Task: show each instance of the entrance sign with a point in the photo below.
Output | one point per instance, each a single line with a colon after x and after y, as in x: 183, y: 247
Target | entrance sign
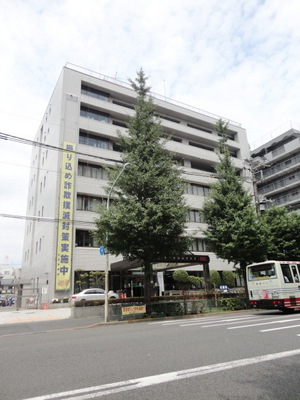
x: 186, y: 258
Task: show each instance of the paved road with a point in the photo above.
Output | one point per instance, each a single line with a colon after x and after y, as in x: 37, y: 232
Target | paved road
x: 248, y: 355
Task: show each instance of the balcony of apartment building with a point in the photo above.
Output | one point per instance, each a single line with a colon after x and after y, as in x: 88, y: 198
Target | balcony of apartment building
x: 277, y: 151
x: 289, y: 199
x: 283, y: 183
x: 274, y: 171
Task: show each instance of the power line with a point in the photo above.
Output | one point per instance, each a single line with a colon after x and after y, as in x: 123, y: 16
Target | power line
x: 43, y: 219
x: 4, y: 136
x: 18, y: 139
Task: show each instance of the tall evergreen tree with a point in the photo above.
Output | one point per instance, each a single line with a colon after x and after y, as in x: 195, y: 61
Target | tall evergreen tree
x: 283, y: 229
x: 233, y: 231
x: 148, y: 216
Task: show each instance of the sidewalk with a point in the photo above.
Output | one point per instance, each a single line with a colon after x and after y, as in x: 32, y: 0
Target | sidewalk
x: 12, y: 316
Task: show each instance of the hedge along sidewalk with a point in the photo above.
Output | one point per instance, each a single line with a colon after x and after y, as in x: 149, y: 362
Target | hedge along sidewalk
x: 158, y: 309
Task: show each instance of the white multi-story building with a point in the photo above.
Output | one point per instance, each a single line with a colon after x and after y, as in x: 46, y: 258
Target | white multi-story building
x: 84, y: 115
x: 276, y: 167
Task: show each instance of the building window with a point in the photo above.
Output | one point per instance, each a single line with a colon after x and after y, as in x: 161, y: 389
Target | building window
x: 230, y: 136
x: 85, y: 239
x: 166, y: 117
x: 201, y: 146
x: 199, y: 128
x: 122, y: 104
x: 92, y: 171
x: 195, y: 216
x: 197, y: 190
x: 175, y: 139
x: 89, y: 203
x: 93, y: 114
x: 202, y: 166
x: 119, y: 123
x: 200, y: 245
x: 98, y: 94
x: 93, y: 140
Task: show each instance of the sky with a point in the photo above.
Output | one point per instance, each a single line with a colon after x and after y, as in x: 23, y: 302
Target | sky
x: 238, y: 59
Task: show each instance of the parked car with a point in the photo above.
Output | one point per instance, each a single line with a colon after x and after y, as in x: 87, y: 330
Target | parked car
x: 3, y: 301
x: 93, y: 294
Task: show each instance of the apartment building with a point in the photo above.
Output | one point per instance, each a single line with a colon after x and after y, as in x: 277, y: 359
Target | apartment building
x: 76, y: 141
x: 276, y: 166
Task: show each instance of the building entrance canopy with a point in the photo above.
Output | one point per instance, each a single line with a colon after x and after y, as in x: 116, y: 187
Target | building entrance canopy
x: 162, y: 264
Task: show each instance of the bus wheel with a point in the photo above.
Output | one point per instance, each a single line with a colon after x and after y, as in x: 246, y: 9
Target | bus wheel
x: 286, y: 310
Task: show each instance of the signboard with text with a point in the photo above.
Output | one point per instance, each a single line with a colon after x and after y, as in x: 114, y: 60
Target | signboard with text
x: 134, y: 310
x: 185, y: 258
x: 65, y: 222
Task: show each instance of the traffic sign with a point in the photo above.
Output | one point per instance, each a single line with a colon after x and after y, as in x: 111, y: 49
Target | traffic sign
x: 102, y: 250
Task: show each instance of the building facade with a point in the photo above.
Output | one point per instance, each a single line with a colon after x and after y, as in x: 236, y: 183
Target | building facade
x: 9, y: 276
x: 76, y: 142
x: 276, y: 167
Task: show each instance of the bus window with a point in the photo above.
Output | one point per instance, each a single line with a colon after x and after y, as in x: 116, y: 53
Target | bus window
x: 295, y: 273
x: 286, y: 272
x: 261, y: 271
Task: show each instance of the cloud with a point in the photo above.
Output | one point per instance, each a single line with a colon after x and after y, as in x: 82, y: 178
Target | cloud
x: 235, y: 58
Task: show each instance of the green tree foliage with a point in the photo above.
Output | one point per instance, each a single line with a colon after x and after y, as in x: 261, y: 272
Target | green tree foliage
x: 182, y: 277
x: 196, y: 281
x: 233, y: 231
x: 148, y: 216
x: 228, y: 278
x: 284, y: 234
x: 185, y: 280
x: 215, y: 278
x: 87, y: 279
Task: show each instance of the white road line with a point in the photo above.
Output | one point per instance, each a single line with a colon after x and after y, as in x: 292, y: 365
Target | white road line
x: 117, y: 387
x: 282, y: 327
x: 253, y: 320
x: 282, y: 321
x: 222, y: 322
x: 213, y: 323
x: 172, y: 321
x: 196, y: 319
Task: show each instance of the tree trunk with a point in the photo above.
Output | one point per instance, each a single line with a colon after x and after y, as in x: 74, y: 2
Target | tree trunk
x: 148, y: 286
x: 243, y: 268
x: 206, y: 276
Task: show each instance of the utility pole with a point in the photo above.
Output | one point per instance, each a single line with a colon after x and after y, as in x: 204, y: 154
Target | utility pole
x: 107, y: 266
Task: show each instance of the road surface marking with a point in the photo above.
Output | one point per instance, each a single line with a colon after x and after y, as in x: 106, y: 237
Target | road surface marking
x: 117, y: 387
x: 282, y: 327
x: 220, y: 322
x: 282, y: 321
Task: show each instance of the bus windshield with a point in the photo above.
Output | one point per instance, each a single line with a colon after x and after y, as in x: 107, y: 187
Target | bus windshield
x: 262, y: 271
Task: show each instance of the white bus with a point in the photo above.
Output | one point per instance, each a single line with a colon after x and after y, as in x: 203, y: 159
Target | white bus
x: 274, y: 285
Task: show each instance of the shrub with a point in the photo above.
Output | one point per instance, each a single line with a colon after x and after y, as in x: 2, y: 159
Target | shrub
x: 166, y: 309
x: 232, y: 303
x: 198, y: 307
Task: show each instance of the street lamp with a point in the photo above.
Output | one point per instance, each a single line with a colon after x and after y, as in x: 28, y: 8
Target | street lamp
x: 107, y: 268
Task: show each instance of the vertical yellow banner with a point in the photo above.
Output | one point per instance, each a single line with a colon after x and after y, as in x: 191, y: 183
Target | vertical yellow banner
x: 65, y: 225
